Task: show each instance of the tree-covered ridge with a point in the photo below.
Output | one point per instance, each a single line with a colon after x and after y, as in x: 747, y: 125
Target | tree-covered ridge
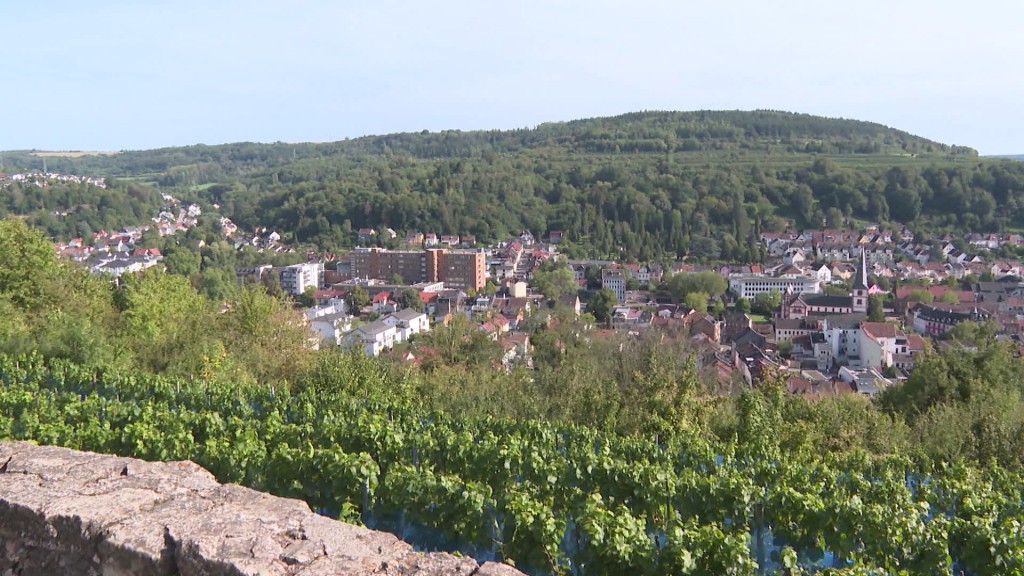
x: 654, y: 131
x: 647, y: 185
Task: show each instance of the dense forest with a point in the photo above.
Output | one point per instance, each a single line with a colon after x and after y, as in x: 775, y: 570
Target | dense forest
x: 608, y: 456
x: 648, y: 185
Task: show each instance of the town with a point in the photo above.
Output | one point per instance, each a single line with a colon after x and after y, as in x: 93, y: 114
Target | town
x: 831, y: 310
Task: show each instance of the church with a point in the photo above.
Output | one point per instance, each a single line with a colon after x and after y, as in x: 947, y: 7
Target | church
x: 804, y: 305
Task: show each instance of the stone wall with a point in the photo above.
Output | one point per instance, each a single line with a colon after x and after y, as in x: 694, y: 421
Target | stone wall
x: 72, y: 513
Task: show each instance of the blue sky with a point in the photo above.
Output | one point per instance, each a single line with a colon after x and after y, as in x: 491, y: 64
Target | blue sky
x: 118, y: 74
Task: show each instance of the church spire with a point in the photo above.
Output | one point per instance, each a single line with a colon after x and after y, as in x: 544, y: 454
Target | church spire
x: 861, y: 281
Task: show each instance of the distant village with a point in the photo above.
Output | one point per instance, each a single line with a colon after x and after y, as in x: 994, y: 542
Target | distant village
x: 818, y: 334
x: 43, y: 179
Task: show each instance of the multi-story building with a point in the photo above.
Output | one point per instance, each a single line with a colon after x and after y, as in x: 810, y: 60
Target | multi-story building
x: 750, y: 285
x: 297, y: 278
x: 615, y: 280
x: 465, y: 269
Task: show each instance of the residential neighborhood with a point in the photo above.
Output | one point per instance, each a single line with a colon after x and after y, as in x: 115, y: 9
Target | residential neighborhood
x: 815, y: 325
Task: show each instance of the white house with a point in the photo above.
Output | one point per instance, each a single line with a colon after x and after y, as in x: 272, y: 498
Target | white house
x: 374, y: 338
x: 407, y: 322
x: 823, y: 274
x: 878, y: 344
x: 331, y: 327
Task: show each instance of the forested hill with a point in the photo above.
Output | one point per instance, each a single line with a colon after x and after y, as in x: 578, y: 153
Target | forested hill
x: 761, y: 131
x: 644, y: 185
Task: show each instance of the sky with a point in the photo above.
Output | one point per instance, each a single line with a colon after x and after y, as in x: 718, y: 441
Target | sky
x: 129, y: 75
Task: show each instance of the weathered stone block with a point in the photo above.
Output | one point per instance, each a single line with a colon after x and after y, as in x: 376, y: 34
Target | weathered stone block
x: 84, y: 514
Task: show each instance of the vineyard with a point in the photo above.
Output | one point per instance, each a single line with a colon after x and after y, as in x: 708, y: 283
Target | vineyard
x: 552, y: 499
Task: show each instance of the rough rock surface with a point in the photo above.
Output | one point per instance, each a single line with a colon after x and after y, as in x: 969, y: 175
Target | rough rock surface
x: 79, y: 513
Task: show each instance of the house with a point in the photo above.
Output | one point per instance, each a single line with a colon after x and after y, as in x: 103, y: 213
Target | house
x: 331, y: 327
x: 749, y: 336
x: 407, y: 323
x: 624, y: 317
x: 866, y: 381
x: 430, y: 240
x: 382, y: 302
x: 326, y: 307
x: 365, y: 234
x: 414, y: 239
x: 328, y: 296
x: 555, y: 236
x: 516, y: 348
x: 707, y: 326
x: 448, y: 301
x: 878, y: 344
x: 373, y: 338
x: 572, y: 301
x: 650, y: 274
x: 843, y: 335
x: 789, y: 328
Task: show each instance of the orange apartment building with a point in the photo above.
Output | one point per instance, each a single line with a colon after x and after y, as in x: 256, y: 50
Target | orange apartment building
x: 464, y: 269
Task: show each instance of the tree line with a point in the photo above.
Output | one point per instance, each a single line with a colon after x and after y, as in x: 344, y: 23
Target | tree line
x: 648, y: 186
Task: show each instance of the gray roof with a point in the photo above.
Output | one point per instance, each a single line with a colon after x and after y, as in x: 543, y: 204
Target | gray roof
x: 846, y: 321
x: 374, y: 328
x: 827, y: 300
x: 331, y: 317
x: 860, y: 282
x: 407, y: 314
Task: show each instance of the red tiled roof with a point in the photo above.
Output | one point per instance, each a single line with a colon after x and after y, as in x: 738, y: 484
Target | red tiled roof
x: 879, y: 329
x: 915, y: 342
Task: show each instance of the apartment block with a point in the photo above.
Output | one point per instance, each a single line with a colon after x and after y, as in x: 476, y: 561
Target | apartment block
x: 465, y: 269
x: 297, y: 278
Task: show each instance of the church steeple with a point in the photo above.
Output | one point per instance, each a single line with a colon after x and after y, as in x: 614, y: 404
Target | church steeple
x: 861, y: 281
x: 859, y: 296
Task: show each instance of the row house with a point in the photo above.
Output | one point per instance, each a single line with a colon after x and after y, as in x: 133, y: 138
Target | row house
x: 985, y: 241
x: 936, y: 321
x: 830, y: 235
x: 790, y: 328
x: 836, y: 252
